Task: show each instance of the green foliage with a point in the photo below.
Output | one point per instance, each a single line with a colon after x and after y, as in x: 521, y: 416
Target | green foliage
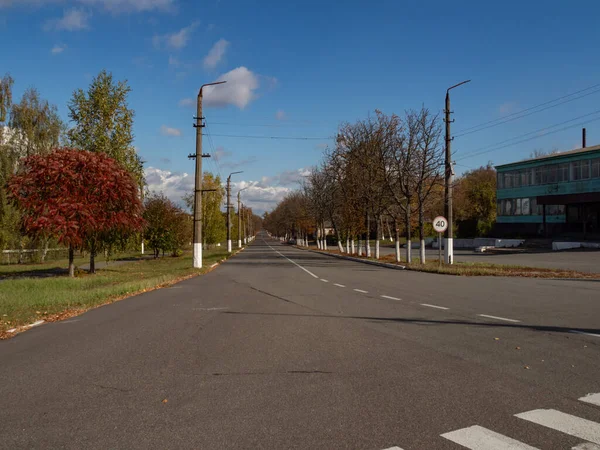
x: 214, y: 224
x: 103, y: 122
x: 10, y: 218
x: 6, y: 84
x: 168, y: 227
x: 475, y: 199
x: 36, y: 124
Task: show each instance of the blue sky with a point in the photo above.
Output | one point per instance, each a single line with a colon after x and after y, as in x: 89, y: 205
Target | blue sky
x: 298, y: 69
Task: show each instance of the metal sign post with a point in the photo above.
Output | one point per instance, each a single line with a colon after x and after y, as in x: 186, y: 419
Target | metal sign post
x: 440, y: 224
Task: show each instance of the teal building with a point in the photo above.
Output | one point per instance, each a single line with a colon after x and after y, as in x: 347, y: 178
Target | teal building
x: 552, y: 195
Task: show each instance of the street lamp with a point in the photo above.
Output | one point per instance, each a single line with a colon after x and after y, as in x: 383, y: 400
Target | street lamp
x: 229, y: 210
x: 240, y: 218
x: 449, y: 241
x: 198, y: 181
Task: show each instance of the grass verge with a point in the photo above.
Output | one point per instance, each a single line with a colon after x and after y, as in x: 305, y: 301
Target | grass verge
x: 26, y: 300
x: 481, y: 269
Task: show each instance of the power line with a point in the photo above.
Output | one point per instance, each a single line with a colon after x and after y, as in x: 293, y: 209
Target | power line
x: 533, y: 132
x: 519, y: 114
x: 214, y: 160
x: 496, y: 147
x: 298, y: 138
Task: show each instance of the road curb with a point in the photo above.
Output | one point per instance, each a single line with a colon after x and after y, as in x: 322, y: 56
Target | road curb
x: 360, y: 260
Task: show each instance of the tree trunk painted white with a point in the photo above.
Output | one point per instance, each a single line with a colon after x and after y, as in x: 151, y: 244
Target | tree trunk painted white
x: 397, y: 236
x: 359, y: 251
x: 142, y: 247
x: 377, y: 225
x: 367, y: 238
x: 353, y: 250
x: 408, y: 242
x: 318, y: 238
x: 45, y: 250
x: 340, y: 246
x: 422, y: 251
x: 348, y: 245
x: 325, y: 240
x: 229, y: 248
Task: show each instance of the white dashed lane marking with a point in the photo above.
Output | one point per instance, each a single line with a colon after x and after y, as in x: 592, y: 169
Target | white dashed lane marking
x: 361, y: 291
x: 324, y: 281
x: 583, y: 332
x: 390, y: 298
x: 338, y: 285
x: 499, y: 318
x: 433, y: 306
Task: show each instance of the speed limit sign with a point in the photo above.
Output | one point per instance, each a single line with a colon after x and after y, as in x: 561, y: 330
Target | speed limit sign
x: 440, y: 224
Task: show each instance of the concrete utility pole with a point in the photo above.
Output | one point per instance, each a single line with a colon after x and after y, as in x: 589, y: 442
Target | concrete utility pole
x: 198, y: 181
x: 449, y: 241
x: 229, y: 210
x: 240, y: 219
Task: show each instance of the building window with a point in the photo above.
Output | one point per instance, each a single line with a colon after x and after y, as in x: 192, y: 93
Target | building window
x: 525, y: 207
x: 596, y: 168
x: 500, y: 180
x: 508, y: 209
x: 562, y: 173
x: 581, y: 170
x: 518, y: 207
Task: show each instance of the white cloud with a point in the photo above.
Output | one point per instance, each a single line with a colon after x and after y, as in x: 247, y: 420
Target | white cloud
x: 115, y: 6
x: 215, y: 54
x: 280, y: 115
x: 174, y: 61
x: 173, y: 184
x: 185, y: 102
x: 168, y: 131
x: 58, y: 49
x: 73, y: 20
x: 132, y: 5
x: 260, y: 198
x: 238, y: 91
x: 175, y: 41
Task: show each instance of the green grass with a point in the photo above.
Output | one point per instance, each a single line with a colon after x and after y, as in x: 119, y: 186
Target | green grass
x: 482, y: 269
x: 25, y: 300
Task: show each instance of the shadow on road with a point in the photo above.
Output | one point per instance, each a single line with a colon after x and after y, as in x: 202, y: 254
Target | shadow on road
x: 432, y: 322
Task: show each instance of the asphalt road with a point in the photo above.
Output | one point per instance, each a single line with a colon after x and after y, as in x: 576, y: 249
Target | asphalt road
x: 281, y: 348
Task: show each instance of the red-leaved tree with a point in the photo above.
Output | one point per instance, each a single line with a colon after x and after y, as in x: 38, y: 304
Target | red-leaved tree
x: 79, y: 197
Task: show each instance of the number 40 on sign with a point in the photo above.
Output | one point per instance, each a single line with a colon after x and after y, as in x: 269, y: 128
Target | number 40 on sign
x: 440, y: 224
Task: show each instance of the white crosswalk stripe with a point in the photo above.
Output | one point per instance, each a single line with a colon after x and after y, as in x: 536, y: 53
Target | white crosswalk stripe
x: 566, y: 423
x: 594, y: 399
x: 479, y: 438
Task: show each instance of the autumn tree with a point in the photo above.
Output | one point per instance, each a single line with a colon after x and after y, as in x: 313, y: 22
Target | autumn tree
x: 77, y: 196
x: 475, y: 201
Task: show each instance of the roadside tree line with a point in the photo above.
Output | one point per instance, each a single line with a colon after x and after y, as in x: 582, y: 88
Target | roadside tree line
x: 384, y: 173
x: 81, y: 185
